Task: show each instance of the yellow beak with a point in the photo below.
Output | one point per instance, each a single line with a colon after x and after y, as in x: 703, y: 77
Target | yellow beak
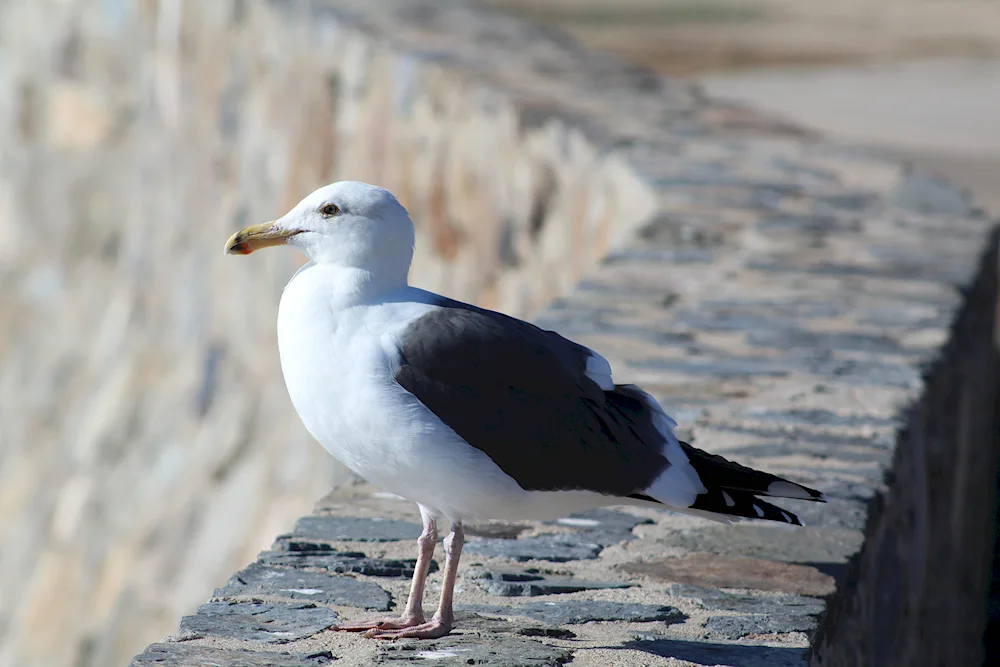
x: 256, y: 237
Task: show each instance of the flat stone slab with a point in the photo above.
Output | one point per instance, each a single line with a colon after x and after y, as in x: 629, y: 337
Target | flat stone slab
x: 267, y: 622
x: 354, y: 529
x: 339, y: 562
x: 460, y: 651
x: 707, y: 569
x: 187, y: 655
x: 497, y: 529
x: 592, y: 531
x: 712, y: 653
x: 553, y: 548
x: 581, y: 611
x: 829, y: 545
x: 769, y: 605
x: 603, y: 526
x: 525, y: 583
x: 259, y: 579
x: 737, y: 627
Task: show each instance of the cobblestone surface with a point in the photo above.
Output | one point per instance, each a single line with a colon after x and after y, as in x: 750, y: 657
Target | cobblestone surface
x: 786, y: 300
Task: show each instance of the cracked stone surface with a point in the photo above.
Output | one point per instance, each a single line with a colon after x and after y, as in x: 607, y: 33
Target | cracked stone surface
x: 736, y: 572
x: 341, y: 562
x: 184, y: 655
x: 590, y: 533
x: 462, y: 651
x: 709, y: 654
x: 259, y: 579
x: 738, y: 627
x: 553, y: 548
x: 779, y: 605
x: 571, y: 612
x: 512, y: 583
x: 350, y: 529
x: 270, y: 623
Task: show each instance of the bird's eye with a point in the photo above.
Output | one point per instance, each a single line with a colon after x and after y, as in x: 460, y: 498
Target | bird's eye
x: 329, y: 210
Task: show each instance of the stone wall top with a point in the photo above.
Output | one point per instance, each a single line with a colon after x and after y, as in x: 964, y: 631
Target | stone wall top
x: 781, y: 296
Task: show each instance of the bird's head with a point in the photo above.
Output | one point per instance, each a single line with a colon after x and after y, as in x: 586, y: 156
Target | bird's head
x: 348, y: 224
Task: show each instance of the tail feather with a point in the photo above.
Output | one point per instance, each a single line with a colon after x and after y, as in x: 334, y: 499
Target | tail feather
x: 742, y: 504
x: 731, y: 491
x: 716, y: 471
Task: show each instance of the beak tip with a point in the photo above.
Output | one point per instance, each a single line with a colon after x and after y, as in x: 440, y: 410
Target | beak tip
x: 237, y: 245
x: 255, y: 237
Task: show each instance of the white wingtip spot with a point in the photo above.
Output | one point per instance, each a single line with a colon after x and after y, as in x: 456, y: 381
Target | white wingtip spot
x: 787, y: 518
x: 784, y: 489
x: 759, y: 511
x: 729, y: 499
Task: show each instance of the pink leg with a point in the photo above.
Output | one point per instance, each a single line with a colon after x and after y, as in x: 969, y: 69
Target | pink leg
x: 413, y: 614
x: 444, y: 618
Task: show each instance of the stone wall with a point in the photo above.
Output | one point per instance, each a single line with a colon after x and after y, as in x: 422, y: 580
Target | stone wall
x: 916, y: 593
x: 780, y: 296
x: 149, y: 448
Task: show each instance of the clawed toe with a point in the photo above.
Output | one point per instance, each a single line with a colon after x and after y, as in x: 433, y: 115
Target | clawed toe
x: 380, y: 625
x: 429, y: 630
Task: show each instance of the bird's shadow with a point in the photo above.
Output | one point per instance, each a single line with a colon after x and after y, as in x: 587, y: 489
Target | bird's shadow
x: 708, y: 653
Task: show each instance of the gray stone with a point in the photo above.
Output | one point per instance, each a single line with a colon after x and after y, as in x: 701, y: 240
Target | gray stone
x: 553, y: 548
x: 814, y: 226
x: 497, y: 529
x: 819, y: 417
x: 474, y: 649
x: 769, y: 605
x: 267, y: 622
x: 923, y: 193
x: 710, y: 654
x: 259, y: 579
x: 830, y: 545
x: 705, y: 569
x: 734, y: 367
x: 553, y: 633
x: 592, y: 531
x: 603, y: 526
x: 726, y: 319
x: 737, y: 627
x: 188, y: 655
x: 342, y: 562
x: 509, y: 583
x: 353, y: 529
x: 582, y: 611
x: 811, y: 340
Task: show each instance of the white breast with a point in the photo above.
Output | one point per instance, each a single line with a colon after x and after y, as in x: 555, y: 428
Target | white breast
x: 339, y: 375
x: 338, y: 358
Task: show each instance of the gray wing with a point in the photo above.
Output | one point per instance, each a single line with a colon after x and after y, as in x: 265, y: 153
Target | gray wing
x: 522, y: 396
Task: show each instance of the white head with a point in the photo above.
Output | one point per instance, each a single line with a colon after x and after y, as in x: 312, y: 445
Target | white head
x: 349, y: 224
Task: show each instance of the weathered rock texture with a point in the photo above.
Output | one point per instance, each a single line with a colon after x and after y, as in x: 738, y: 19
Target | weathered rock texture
x: 780, y: 295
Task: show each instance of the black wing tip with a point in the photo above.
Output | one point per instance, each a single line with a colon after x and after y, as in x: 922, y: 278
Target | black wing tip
x: 782, y: 488
x: 716, y: 471
x: 744, y: 505
x: 735, y: 505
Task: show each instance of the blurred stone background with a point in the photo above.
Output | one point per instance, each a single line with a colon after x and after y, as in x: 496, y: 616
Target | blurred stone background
x: 147, y: 448
x: 917, y: 78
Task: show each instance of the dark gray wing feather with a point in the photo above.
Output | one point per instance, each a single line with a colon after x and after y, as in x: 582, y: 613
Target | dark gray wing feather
x: 521, y: 395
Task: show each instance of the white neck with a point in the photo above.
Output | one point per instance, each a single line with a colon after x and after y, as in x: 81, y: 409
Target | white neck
x: 351, y: 286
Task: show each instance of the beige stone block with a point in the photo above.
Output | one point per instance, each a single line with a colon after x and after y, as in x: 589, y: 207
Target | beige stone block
x: 78, y: 117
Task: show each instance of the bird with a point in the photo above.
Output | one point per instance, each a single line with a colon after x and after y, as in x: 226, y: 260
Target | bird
x: 472, y: 414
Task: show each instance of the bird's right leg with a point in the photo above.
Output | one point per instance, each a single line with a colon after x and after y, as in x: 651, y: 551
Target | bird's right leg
x: 413, y: 614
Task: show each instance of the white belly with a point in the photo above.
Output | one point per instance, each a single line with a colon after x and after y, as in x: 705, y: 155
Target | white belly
x: 339, y: 376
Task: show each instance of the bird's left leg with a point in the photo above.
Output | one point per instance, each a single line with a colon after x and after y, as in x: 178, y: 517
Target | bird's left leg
x: 444, y: 619
x: 413, y: 614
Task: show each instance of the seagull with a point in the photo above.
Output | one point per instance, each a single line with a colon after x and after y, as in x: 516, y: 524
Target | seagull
x: 469, y: 413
